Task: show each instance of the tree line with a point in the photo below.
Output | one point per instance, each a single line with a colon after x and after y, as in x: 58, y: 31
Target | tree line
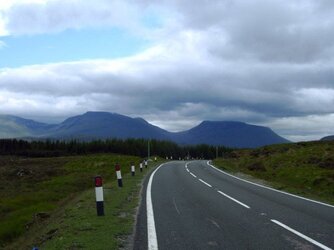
x: 137, y: 147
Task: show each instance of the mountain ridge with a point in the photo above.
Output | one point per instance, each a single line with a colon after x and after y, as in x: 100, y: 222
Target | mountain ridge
x: 103, y: 125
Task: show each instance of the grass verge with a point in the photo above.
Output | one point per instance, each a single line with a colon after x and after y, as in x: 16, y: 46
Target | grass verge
x: 305, y: 169
x: 57, y: 211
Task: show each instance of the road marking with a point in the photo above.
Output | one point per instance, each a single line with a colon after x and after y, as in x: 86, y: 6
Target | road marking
x: 214, y: 223
x: 239, y: 202
x: 193, y: 175
x: 177, y: 210
x: 188, y: 170
x: 272, y: 189
x: 301, y: 235
x: 151, y: 232
x: 205, y: 183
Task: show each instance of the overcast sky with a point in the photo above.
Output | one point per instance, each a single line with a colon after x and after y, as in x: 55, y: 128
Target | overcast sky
x: 174, y: 62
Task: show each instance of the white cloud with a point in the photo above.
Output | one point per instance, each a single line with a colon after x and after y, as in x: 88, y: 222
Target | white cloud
x: 310, y: 127
x: 317, y: 100
x: 175, y: 86
x: 51, y: 16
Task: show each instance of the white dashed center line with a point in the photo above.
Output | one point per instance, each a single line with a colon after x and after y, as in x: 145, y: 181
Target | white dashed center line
x: 193, y: 175
x: 205, y: 183
x: 301, y: 235
x: 231, y: 198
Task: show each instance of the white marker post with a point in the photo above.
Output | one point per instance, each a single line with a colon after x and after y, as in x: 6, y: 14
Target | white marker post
x: 99, y: 196
x: 141, y: 167
x: 145, y: 163
x: 119, y: 175
x: 133, y: 170
x: 155, y: 158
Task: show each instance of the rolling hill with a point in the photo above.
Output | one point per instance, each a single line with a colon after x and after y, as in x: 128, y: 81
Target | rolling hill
x: 102, y: 125
x: 328, y: 138
x: 17, y: 127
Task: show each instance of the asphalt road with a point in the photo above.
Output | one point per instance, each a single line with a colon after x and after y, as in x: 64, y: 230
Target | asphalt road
x: 192, y: 205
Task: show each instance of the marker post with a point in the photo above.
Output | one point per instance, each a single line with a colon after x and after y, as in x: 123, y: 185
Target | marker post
x: 133, y: 169
x: 145, y: 163
x: 119, y: 175
x: 99, y: 196
x: 141, y: 167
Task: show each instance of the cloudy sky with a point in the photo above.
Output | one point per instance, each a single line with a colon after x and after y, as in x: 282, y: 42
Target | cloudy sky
x: 173, y: 62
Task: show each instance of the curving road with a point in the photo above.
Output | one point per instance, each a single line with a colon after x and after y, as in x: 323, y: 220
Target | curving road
x: 193, y: 205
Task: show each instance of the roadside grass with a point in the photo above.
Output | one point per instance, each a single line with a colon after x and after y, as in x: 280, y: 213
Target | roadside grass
x: 80, y: 228
x: 20, y: 197
x: 34, y: 193
x: 305, y: 169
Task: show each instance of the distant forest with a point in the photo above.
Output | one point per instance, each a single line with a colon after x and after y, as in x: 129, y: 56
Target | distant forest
x: 137, y: 147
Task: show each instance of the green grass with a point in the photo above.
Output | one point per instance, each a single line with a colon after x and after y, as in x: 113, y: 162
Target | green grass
x: 53, y: 183
x: 305, y: 169
x: 80, y: 227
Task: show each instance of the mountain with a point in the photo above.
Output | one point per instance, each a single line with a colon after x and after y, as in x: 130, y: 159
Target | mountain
x: 233, y: 134
x: 101, y: 125
x: 16, y: 127
x: 328, y: 138
x: 107, y: 125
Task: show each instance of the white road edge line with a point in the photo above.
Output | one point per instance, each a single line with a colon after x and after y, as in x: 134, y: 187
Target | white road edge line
x: 205, y: 183
x: 151, y: 232
x: 301, y: 235
x: 272, y: 189
x: 239, y: 202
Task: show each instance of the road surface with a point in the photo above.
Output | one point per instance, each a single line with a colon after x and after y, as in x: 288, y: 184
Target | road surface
x: 192, y: 205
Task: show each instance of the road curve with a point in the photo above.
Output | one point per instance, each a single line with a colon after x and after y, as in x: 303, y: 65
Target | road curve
x: 195, y: 206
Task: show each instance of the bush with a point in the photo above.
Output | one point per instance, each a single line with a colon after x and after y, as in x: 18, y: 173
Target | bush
x: 256, y: 166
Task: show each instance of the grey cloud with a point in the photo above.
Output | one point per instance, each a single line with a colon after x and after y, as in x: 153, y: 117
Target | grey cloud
x: 265, y: 30
x: 270, y: 31
x: 266, y: 62
x: 248, y: 93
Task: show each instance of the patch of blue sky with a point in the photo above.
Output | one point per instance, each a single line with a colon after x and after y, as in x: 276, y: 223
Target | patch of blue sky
x: 152, y: 19
x: 71, y: 45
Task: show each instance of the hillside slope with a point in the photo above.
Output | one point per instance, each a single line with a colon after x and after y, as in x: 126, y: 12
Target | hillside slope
x: 305, y: 168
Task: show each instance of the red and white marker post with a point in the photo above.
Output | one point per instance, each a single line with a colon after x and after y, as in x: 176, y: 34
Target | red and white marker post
x: 119, y: 175
x: 133, y: 170
x: 99, y: 196
x: 141, y: 167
